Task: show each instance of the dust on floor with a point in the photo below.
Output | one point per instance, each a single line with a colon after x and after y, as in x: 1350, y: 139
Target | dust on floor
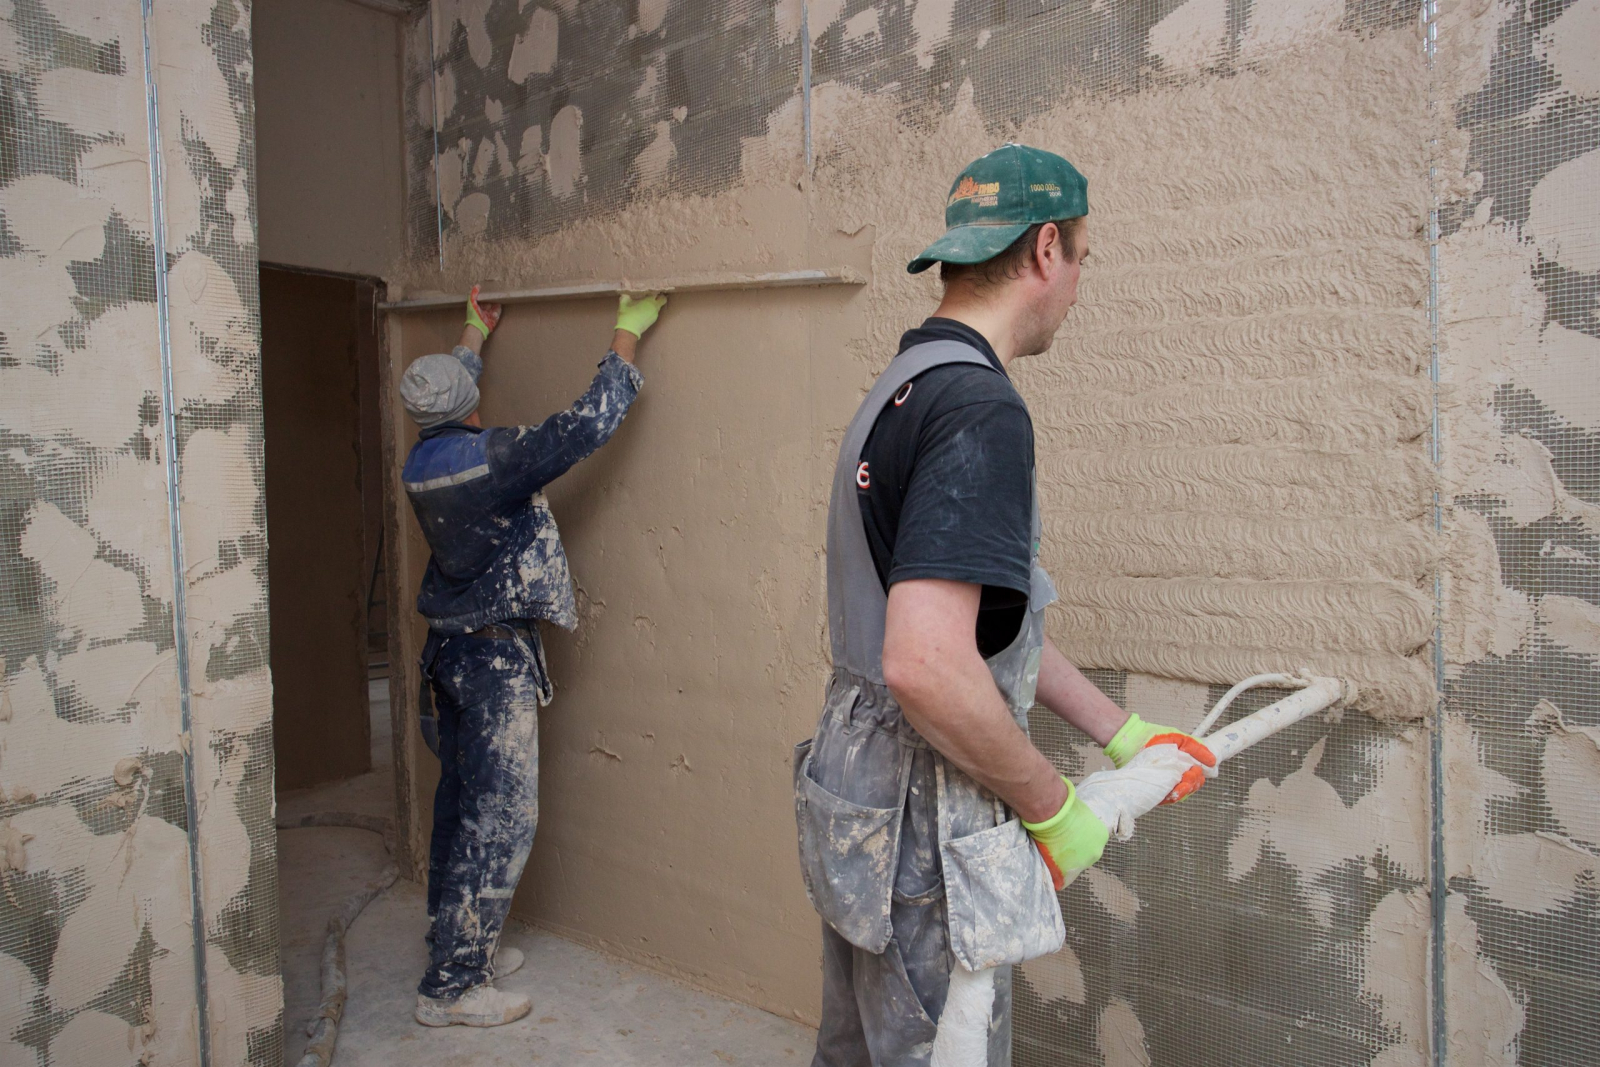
x: 587, y: 1007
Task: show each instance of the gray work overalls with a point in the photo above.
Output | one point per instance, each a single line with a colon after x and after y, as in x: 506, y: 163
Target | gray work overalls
x: 911, y: 863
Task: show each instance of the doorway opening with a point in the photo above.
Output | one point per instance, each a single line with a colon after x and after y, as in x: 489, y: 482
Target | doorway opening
x: 321, y: 352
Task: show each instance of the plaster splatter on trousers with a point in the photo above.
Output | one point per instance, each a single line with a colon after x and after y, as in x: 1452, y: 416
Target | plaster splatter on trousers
x: 486, y: 807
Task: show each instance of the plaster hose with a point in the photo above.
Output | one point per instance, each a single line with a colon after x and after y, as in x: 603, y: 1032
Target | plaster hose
x: 323, y: 1028
x: 963, y: 1034
x: 1118, y: 798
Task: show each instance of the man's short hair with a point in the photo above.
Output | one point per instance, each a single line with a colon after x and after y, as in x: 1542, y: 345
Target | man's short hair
x: 1009, y: 264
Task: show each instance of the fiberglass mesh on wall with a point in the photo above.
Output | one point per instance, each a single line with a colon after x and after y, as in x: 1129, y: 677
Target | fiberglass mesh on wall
x: 96, y: 928
x: 1520, y: 344
x: 104, y: 768
x: 207, y: 132
x: 543, y: 115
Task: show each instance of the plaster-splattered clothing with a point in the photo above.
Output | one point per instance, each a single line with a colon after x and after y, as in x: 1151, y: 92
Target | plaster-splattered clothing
x: 486, y: 807
x: 477, y: 494
x: 497, y: 568
x: 914, y: 867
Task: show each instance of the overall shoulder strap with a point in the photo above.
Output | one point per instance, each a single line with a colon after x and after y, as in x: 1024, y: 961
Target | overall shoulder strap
x: 856, y: 600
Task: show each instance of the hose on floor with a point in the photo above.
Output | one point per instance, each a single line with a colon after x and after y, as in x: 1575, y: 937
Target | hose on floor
x: 323, y: 1027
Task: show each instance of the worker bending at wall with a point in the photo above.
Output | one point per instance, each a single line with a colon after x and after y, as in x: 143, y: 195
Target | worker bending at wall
x: 497, y: 568
x: 919, y: 792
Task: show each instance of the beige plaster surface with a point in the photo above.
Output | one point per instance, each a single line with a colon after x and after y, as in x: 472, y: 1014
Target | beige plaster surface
x: 1233, y: 462
x: 93, y: 738
x: 328, y: 135
x: 1230, y: 453
x: 700, y: 608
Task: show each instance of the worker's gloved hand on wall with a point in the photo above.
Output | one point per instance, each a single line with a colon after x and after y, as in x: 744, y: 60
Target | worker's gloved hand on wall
x: 1137, y: 735
x: 482, y: 317
x: 637, y: 316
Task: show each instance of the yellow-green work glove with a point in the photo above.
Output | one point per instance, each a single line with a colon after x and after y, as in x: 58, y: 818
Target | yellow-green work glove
x: 482, y: 317
x: 1071, y: 840
x: 1136, y: 735
x: 637, y: 316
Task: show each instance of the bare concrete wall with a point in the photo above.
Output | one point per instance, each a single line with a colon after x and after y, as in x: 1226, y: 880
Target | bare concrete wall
x: 327, y: 91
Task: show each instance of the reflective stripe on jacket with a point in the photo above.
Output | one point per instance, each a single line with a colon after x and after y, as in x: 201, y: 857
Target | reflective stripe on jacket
x: 477, y: 494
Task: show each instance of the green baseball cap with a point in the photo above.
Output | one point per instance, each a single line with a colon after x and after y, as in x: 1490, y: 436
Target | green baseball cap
x: 1000, y: 195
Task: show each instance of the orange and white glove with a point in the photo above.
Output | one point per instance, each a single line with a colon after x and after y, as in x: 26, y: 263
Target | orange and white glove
x: 1107, y: 803
x: 1137, y: 735
x: 482, y: 317
x: 1119, y: 797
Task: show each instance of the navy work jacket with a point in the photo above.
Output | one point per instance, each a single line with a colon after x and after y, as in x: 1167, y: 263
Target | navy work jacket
x: 478, y: 495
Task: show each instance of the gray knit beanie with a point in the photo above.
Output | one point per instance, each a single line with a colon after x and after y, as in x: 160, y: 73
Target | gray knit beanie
x: 437, y: 389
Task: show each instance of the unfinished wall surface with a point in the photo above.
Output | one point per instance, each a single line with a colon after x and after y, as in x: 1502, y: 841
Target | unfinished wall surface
x: 1235, y: 464
x: 545, y: 113
x: 1519, y: 321
x: 311, y: 400
x: 139, y: 907
x: 328, y: 100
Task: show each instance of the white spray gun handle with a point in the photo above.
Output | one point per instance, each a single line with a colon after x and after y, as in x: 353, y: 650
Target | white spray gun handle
x: 962, y: 1039
x: 1228, y: 741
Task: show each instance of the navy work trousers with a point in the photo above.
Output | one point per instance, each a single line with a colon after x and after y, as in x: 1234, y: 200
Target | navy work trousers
x: 486, y: 691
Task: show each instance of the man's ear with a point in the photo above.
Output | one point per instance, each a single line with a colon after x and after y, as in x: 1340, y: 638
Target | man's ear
x: 1049, y: 234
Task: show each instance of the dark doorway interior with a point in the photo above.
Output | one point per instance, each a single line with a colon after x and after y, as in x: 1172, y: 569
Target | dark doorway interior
x: 324, y: 490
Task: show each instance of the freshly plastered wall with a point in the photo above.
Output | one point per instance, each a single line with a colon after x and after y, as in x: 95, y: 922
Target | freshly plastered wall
x: 1236, y: 467
x: 138, y: 897
x: 696, y: 663
x: 328, y: 134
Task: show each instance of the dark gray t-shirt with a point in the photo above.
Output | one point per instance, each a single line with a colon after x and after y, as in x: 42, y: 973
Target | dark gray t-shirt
x: 949, y: 483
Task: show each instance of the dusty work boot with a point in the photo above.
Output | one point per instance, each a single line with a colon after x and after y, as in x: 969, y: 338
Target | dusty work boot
x: 507, y: 961
x: 482, y: 1005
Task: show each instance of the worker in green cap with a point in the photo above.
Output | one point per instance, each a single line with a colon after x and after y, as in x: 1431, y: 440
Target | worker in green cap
x: 933, y: 834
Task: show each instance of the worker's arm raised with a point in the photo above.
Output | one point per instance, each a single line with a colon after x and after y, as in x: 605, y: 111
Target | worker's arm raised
x: 634, y: 317
x: 932, y: 666
x: 524, y: 459
x: 481, y: 320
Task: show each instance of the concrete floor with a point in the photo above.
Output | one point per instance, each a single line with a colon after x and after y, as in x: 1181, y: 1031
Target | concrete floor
x: 587, y: 1007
